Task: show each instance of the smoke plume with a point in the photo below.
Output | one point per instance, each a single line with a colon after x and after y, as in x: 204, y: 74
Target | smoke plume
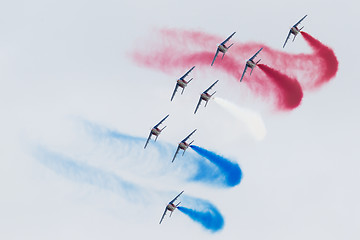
x: 155, y: 160
x: 229, y: 170
x: 329, y: 64
x: 288, y: 92
x: 204, y: 213
x: 84, y: 173
x: 176, y: 49
x: 248, y: 118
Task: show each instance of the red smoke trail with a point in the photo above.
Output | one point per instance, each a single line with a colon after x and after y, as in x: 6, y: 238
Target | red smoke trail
x: 170, y: 59
x: 329, y: 64
x: 174, y: 49
x: 288, y: 90
x: 312, y: 70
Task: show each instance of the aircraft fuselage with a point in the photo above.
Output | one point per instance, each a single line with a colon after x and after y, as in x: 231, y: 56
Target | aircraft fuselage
x: 294, y: 30
x: 182, y: 83
x: 155, y: 131
x: 251, y: 64
x: 222, y: 48
x: 171, y: 207
x: 183, y: 145
x: 205, y: 96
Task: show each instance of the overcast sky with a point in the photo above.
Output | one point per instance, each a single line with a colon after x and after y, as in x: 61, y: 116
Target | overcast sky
x: 62, y: 62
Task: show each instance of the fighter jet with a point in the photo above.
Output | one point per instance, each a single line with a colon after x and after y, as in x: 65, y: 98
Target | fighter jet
x: 251, y: 64
x: 183, y: 145
x: 171, y: 207
x: 181, y: 82
x: 205, y: 96
x: 294, y: 30
x: 155, y: 131
x: 222, y: 48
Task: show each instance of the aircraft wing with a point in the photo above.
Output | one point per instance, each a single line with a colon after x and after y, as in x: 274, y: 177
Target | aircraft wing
x: 211, y: 86
x: 184, y: 140
x: 172, y: 201
x: 147, y: 141
x: 161, y: 121
x: 176, y: 87
x: 177, y: 150
x: 244, y: 72
x: 299, y: 21
x: 187, y: 73
x: 197, y: 106
x: 217, y: 51
x: 287, y: 38
x: 255, y: 54
x: 228, y: 38
x: 163, y: 216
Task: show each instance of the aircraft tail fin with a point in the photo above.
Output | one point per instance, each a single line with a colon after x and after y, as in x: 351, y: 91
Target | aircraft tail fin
x: 301, y: 28
x: 212, y: 94
x: 182, y: 90
x: 190, y: 80
x: 163, y: 128
x: 191, y: 142
x: 258, y: 61
x: 178, y: 204
x: 170, y: 213
x: 230, y: 45
x: 223, y: 55
x: 209, y: 98
x: 251, y: 71
x: 294, y: 37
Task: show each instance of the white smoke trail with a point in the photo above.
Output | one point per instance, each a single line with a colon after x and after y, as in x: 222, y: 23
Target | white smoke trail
x: 252, y: 120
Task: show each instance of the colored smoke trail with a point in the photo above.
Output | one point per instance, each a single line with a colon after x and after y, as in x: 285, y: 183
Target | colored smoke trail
x: 329, y: 65
x: 251, y: 120
x: 204, y: 213
x: 155, y: 160
x: 167, y: 62
x: 83, y: 173
x: 288, y: 90
x: 231, y: 171
x: 210, y: 219
x: 174, y: 49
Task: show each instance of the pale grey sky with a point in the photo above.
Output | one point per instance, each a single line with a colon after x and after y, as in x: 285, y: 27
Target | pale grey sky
x: 62, y: 60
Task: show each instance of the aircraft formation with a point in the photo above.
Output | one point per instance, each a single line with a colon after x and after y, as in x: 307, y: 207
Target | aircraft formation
x: 205, y: 96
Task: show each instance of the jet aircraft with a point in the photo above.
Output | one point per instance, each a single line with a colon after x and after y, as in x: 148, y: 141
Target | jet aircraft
x: 155, y: 131
x: 294, y: 30
x: 183, y: 145
x: 251, y: 64
x: 171, y: 207
x: 222, y: 48
x: 181, y: 82
x: 205, y: 96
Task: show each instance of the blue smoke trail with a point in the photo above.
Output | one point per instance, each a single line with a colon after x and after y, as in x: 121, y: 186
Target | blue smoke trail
x: 81, y: 172
x: 206, y: 214
x: 218, y: 172
x: 231, y: 171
